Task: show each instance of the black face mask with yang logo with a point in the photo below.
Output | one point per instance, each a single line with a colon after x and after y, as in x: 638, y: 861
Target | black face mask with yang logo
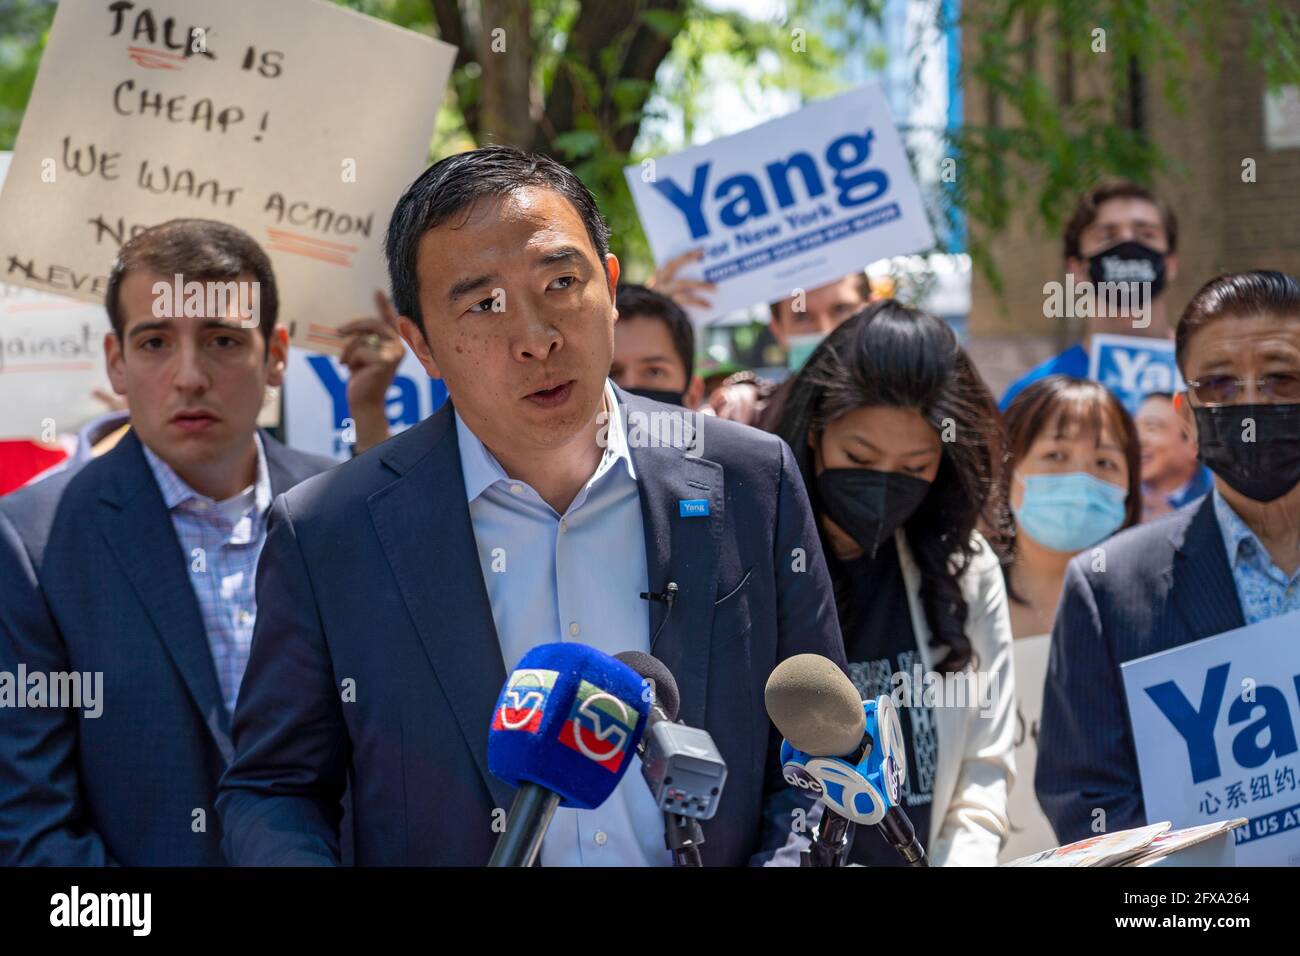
x: 1129, y: 262
x: 1254, y: 448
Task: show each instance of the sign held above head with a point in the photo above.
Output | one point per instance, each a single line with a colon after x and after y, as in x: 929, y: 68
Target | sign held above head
x: 248, y: 117
x: 772, y: 217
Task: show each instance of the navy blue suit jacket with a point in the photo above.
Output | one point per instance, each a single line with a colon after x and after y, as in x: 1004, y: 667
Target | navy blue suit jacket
x: 376, y: 579
x: 1164, y: 584
x: 92, y: 579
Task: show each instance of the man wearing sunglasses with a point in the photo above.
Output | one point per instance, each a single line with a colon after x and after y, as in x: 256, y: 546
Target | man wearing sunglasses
x: 1231, y: 560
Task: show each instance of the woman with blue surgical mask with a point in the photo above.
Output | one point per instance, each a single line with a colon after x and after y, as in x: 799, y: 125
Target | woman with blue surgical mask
x: 1076, y: 480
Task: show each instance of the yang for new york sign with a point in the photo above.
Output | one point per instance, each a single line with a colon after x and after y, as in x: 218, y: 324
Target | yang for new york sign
x: 792, y: 204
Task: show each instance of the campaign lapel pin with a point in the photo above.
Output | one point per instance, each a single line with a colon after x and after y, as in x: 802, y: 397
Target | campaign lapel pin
x: 693, y: 508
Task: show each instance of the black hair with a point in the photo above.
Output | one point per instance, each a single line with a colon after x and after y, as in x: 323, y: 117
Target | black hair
x: 455, y: 184
x: 1090, y: 203
x: 199, y: 250
x: 637, y: 302
x: 894, y: 356
x: 1234, y: 295
x: 1063, y: 401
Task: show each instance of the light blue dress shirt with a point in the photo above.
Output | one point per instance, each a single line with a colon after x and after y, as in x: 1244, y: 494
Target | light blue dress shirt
x: 572, y: 577
x: 1264, y: 589
x: 221, y: 541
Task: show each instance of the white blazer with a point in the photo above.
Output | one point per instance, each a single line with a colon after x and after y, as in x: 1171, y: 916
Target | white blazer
x: 975, y: 770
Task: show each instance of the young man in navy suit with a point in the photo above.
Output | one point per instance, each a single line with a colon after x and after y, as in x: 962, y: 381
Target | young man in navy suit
x: 129, y: 582
x: 533, y: 508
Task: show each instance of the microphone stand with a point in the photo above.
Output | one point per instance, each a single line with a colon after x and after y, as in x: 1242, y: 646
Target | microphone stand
x: 530, y: 815
x: 898, y: 832
x: 683, y: 835
x: 831, y: 843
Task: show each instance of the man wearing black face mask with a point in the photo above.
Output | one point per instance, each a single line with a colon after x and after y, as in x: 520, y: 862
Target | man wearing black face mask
x: 1120, y: 233
x: 654, y: 348
x: 1231, y: 561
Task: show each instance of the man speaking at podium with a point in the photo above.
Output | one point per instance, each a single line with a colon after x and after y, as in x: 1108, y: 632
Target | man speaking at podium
x: 396, y: 591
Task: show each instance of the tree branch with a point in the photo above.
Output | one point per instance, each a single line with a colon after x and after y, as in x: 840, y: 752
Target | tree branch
x: 599, y: 27
x: 452, y: 29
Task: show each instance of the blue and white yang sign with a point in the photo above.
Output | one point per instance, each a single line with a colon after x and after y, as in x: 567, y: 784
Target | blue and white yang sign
x: 1216, y: 725
x: 317, y: 418
x: 1133, y: 367
x: 791, y: 204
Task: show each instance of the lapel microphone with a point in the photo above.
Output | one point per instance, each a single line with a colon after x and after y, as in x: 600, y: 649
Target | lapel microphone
x: 667, y: 596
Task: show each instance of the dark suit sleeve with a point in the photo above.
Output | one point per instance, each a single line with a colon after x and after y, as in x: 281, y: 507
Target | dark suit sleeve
x: 807, y: 623
x: 1086, y: 759
x: 280, y: 799
x: 42, y: 822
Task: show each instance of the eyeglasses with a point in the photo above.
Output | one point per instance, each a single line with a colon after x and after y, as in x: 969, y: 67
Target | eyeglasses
x: 1222, y: 389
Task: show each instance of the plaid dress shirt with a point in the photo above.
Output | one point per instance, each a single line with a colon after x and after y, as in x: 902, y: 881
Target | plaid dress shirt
x: 221, y: 541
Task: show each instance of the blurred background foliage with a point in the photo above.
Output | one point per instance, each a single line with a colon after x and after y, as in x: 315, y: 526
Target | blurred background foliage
x: 606, y: 83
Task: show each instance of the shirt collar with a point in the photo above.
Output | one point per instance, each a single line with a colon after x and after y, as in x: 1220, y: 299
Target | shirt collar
x: 616, y: 446
x: 176, y: 492
x: 478, y: 465
x: 1234, y: 530
x: 481, y: 469
x: 96, y: 430
x: 1180, y: 490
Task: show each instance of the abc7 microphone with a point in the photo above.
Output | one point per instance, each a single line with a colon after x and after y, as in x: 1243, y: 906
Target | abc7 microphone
x: 869, y: 791
x: 564, y: 730
x: 849, y: 753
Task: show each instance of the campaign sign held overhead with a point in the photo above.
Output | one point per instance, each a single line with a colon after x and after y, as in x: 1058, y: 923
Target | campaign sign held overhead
x: 1133, y: 367
x: 791, y: 204
x: 1215, y: 725
x: 317, y: 418
x: 298, y: 121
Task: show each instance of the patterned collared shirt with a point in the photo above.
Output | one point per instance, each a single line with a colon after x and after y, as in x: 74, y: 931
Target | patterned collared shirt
x: 221, y: 541
x: 1264, y: 589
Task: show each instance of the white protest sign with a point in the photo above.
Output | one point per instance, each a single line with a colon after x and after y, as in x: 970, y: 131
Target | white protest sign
x: 316, y: 414
x: 1215, y: 725
x: 1030, y: 831
x: 51, y: 360
x: 1133, y: 367
x: 298, y: 121
x: 791, y: 204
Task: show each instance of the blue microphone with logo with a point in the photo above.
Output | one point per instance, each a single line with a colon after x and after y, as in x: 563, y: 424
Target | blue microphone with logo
x: 564, y: 731
x: 847, y: 752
